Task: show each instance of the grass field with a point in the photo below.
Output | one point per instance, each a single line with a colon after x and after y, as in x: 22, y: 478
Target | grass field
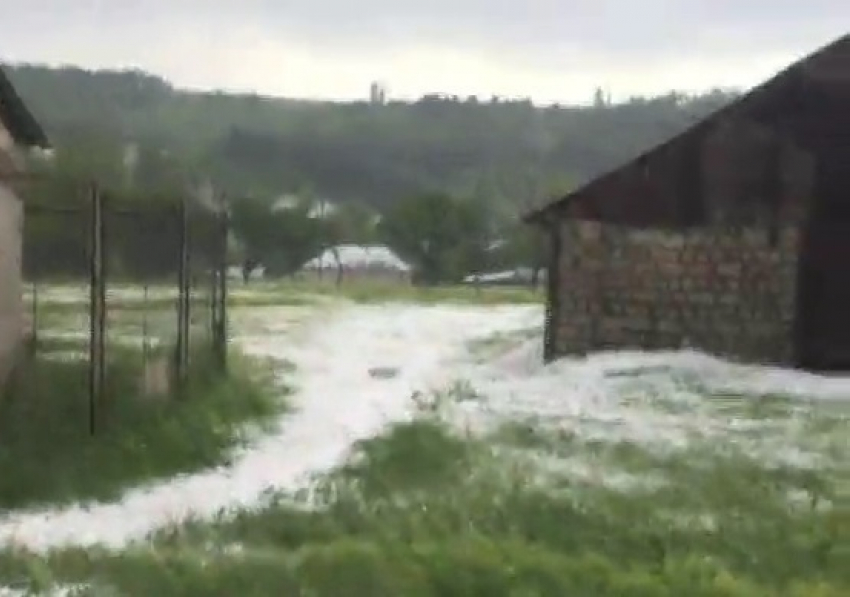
x: 48, y: 456
x: 423, y: 511
x: 286, y: 292
x: 627, y: 475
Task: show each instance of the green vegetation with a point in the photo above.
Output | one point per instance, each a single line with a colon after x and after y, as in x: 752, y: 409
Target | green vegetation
x: 48, y: 456
x: 749, y: 498
x: 444, y: 238
x: 440, y: 180
x: 503, y: 152
x: 297, y: 292
x: 425, y: 511
x: 61, y: 311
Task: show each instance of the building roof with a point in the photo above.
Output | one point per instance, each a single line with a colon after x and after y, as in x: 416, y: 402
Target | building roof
x: 17, y: 119
x: 767, y: 102
x: 356, y: 256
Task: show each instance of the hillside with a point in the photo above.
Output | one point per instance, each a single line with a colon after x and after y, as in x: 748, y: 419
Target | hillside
x: 506, y: 152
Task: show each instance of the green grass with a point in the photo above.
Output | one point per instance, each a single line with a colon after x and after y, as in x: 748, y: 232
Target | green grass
x: 127, y: 314
x: 47, y: 454
x: 298, y: 292
x: 426, y: 511
x: 533, y: 508
x: 376, y: 293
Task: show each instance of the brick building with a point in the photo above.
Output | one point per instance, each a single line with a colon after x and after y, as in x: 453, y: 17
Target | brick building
x: 732, y: 237
x: 18, y: 131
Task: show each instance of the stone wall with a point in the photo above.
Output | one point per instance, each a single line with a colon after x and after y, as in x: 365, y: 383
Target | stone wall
x: 728, y: 292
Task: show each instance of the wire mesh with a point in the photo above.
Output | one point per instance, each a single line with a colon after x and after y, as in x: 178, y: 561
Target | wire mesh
x: 130, y: 289
x: 56, y: 269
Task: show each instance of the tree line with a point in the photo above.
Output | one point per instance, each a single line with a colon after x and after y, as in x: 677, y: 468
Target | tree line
x: 504, y: 152
x: 445, y: 238
x: 419, y: 176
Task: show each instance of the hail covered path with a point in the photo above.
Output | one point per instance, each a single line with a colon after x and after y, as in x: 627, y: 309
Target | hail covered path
x: 337, y: 402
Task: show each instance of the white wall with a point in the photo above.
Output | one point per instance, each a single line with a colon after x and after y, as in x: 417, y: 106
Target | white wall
x: 11, y: 284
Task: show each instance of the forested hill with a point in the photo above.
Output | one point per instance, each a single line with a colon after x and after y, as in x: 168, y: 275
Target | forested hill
x: 505, y: 151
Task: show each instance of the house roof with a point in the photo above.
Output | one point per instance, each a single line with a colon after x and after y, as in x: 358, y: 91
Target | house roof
x: 357, y: 256
x: 17, y: 119
x: 766, y: 100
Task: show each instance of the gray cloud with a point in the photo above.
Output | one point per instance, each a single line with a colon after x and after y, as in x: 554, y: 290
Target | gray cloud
x: 610, y: 27
x: 542, y: 33
x: 606, y: 26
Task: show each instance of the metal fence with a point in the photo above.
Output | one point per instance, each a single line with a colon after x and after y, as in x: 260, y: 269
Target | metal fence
x: 132, y: 288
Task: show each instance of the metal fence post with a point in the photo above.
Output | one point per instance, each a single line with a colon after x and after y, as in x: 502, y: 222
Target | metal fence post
x: 213, y: 281
x: 34, y: 317
x: 97, y: 309
x: 552, y: 316
x: 220, y: 331
x: 183, y: 304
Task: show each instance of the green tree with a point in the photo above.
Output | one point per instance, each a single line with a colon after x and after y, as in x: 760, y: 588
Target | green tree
x: 353, y: 151
x: 354, y: 223
x: 444, y: 237
x: 523, y: 246
x: 281, y: 238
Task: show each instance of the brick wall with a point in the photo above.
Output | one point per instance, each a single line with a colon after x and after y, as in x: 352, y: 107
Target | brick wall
x: 729, y: 292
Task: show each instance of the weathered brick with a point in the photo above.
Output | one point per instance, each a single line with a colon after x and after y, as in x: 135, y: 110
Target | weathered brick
x: 729, y: 269
x: 658, y: 288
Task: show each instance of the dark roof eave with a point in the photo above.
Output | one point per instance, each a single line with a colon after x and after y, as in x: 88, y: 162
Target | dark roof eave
x: 546, y: 213
x: 737, y: 105
x: 544, y: 216
x: 536, y: 217
x: 17, y: 118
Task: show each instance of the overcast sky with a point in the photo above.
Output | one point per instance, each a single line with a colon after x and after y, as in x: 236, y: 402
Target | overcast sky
x: 550, y: 50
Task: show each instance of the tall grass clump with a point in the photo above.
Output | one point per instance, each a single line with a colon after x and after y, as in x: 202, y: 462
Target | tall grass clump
x: 48, y: 455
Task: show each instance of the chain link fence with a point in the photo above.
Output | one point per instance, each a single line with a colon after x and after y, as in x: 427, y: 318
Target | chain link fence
x: 134, y: 290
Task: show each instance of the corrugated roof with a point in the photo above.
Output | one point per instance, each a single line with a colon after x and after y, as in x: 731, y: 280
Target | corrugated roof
x: 17, y: 119
x: 750, y: 101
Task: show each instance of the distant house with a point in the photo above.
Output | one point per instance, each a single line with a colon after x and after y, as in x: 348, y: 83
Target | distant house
x: 373, y: 263
x: 732, y: 237
x: 19, y: 132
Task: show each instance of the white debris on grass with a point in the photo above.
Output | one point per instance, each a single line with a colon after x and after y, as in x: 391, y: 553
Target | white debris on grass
x: 545, y: 467
x: 61, y: 591
x: 657, y: 400
x: 337, y: 403
x: 661, y: 401
x: 82, y: 338
x: 67, y: 294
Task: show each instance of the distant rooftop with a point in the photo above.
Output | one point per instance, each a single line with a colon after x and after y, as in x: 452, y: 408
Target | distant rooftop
x: 357, y: 256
